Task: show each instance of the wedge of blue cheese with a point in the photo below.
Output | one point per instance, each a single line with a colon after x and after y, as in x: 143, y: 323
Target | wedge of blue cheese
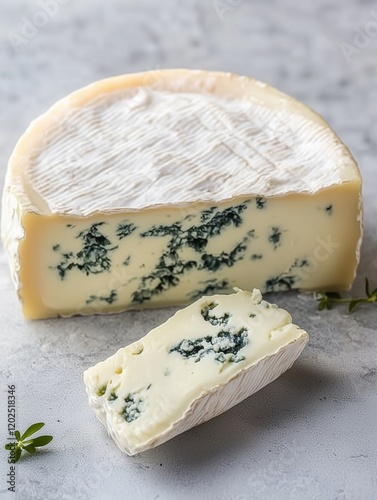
x: 205, y: 359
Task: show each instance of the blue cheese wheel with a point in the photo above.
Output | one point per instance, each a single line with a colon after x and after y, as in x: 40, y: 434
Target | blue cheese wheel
x: 153, y: 189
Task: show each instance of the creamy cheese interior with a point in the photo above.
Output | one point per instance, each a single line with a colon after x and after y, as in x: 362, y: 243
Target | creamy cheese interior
x: 146, y: 387
x: 139, y: 147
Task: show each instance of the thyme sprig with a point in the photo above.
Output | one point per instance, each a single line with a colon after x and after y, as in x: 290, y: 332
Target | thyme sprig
x: 328, y: 299
x: 26, y: 443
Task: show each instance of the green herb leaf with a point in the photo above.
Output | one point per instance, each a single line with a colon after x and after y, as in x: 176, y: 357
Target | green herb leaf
x: 10, y: 446
x: 18, y: 435
x: 32, y: 430
x: 18, y: 454
x: 352, y: 305
x: 321, y: 306
x: 367, y: 287
x: 30, y: 448
x: 42, y: 441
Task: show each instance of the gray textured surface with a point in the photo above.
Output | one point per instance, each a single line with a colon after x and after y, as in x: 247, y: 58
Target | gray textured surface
x: 312, y: 433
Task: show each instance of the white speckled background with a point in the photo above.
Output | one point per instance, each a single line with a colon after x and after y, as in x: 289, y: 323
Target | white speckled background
x: 312, y: 433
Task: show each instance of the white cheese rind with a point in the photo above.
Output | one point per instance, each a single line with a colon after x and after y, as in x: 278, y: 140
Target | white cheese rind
x: 63, y: 176
x: 279, y: 144
x: 158, y: 147
x: 180, y: 391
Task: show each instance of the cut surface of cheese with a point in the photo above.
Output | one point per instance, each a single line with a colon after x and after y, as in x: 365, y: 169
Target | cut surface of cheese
x: 152, y: 189
x: 205, y: 359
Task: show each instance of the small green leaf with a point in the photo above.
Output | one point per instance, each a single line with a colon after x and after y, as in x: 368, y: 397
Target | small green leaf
x: 352, y: 305
x: 367, y: 287
x: 41, y: 441
x: 10, y: 446
x: 31, y: 430
x: 18, y: 454
x: 18, y: 435
x: 321, y: 306
x: 30, y: 448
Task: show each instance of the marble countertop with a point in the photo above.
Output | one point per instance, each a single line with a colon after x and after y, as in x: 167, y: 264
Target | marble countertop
x: 312, y: 433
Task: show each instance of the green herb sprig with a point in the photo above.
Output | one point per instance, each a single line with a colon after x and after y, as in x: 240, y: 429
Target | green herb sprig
x: 328, y: 299
x: 26, y: 443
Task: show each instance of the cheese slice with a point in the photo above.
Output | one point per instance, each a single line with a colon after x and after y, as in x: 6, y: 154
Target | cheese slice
x: 153, y: 189
x: 205, y: 359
